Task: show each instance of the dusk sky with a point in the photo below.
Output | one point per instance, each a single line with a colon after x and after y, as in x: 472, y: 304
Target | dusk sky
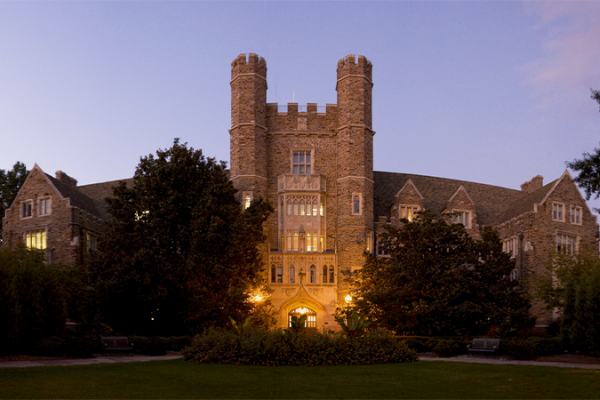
x: 490, y: 92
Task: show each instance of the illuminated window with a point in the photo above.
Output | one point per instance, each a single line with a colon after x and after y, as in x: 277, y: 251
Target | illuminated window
x: 369, y: 241
x: 576, y: 215
x: 324, y: 273
x: 295, y: 242
x: 302, y: 212
x: 314, y: 242
x: 45, y: 206
x: 247, y: 201
x: 558, y: 212
x: 301, y: 163
x: 295, y: 207
x: 408, y: 212
x: 35, y: 239
x: 321, y: 209
x: 311, y: 316
x: 462, y: 217
x: 292, y: 274
x: 313, y: 274
x: 314, y: 211
x: 331, y: 274
x: 289, y: 242
x: 279, y: 274
x: 308, y: 242
x: 322, y: 243
x: 91, y: 242
x: 26, y: 208
x: 566, y: 244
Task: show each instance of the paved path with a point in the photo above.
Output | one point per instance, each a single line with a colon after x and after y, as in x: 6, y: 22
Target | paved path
x: 499, y: 361
x: 121, y: 359
x: 85, y: 361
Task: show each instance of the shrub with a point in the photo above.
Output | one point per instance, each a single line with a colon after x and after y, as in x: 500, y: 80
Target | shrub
x: 416, y: 343
x: 52, y: 346
x: 519, y: 348
x: 308, y: 348
x: 159, y: 345
x: 449, y: 347
x: 546, y: 346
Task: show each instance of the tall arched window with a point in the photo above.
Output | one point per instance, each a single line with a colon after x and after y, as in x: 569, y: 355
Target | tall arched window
x: 289, y: 242
x: 331, y: 274
x: 313, y: 274
x: 308, y: 242
x: 324, y: 273
x: 289, y: 207
x: 302, y: 208
x: 279, y: 274
x: 314, y: 242
x: 314, y: 211
x: 292, y: 274
x: 295, y: 207
x: 273, y: 273
x: 295, y: 242
x: 356, y: 204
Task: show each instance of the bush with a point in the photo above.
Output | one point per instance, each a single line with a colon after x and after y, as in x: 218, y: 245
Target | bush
x: 450, y: 347
x: 52, y: 346
x: 519, y: 348
x: 546, y: 346
x: 416, y: 343
x: 308, y: 348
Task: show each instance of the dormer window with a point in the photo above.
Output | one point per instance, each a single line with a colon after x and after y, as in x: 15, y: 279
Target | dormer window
x: 462, y: 217
x: 301, y: 163
x: 408, y: 212
x: 26, y: 209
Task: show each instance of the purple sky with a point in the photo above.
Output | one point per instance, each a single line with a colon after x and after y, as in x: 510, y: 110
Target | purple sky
x: 490, y: 92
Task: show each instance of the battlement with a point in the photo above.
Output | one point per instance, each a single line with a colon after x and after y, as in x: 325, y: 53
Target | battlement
x: 294, y: 118
x: 248, y: 64
x: 349, y: 66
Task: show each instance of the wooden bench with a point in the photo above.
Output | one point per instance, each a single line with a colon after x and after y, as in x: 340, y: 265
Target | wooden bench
x: 484, y: 346
x: 116, y: 344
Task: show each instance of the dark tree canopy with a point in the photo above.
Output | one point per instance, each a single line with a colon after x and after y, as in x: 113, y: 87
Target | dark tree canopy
x: 10, y: 183
x: 179, y: 253
x: 588, y: 167
x: 439, y: 281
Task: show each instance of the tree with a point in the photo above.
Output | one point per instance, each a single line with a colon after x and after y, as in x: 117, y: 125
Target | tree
x: 10, y: 183
x: 439, y: 281
x: 588, y: 167
x: 179, y: 253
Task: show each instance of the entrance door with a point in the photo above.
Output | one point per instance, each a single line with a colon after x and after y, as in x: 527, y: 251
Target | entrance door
x: 311, y: 316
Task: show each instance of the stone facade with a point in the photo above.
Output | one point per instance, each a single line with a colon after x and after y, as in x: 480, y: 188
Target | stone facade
x: 315, y: 166
x: 57, y: 216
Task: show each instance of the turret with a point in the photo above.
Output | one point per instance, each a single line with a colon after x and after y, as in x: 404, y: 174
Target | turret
x: 247, y: 133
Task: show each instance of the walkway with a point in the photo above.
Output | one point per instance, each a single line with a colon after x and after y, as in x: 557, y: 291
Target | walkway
x: 86, y: 361
x: 504, y: 361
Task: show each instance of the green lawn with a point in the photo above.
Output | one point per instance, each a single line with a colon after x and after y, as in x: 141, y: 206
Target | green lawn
x: 181, y: 379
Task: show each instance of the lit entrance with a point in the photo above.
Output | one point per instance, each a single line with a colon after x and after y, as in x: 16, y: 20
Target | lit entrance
x: 311, y: 316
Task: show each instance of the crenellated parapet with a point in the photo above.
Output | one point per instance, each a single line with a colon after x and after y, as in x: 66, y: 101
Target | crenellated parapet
x: 309, y: 119
x: 248, y: 64
x: 349, y: 66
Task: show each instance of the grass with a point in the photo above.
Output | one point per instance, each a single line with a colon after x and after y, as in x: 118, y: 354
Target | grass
x: 181, y: 379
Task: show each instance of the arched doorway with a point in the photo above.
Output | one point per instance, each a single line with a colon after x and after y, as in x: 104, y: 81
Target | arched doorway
x: 311, y: 316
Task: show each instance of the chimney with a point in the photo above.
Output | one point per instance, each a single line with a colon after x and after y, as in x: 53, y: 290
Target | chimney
x: 532, y: 185
x: 66, y: 179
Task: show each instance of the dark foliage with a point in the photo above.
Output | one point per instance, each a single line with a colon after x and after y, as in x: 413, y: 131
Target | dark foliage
x: 10, y: 183
x: 36, y: 299
x: 308, y: 348
x: 438, y: 281
x: 179, y: 254
x: 159, y: 345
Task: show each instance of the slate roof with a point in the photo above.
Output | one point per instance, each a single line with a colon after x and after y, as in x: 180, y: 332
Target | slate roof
x: 89, y: 198
x: 493, y: 204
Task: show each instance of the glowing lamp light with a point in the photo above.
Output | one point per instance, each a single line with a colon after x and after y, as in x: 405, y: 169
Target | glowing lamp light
x: 302, y: 310
x: 257, y: 298
x: 348, y: 298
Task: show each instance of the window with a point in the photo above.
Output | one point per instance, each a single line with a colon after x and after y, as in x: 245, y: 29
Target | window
x: 511, y: 246
x: 289, y: 243
x: 301, y: 163
x: 313, y: 274
x: 324, y: 273
x: 514, y: 274
x: 369, y: 241
x: 292, y: 274
x: 576, y: 215
x: 26, y: 208
x: 314, y: 211
x: 302, y: 212
x: 273, y: 273
x: 331, y: 274
x: 91, y: 242
x: 289, y: 208
x: 36, y: 239
x: 295, y: 207
x: 295, y: 242
x: 408, y: 212
x: 309, y: 242
x: 45, y: 206
x: 279, y: 274
x: 314, y: 242
x: 321, y: 209
x: 311, y: 316
x: 356, y: 203
x: 566, y: 244
x: 322, y: 243
x: 247, y: 201
x: 558, y: 213
x: 462, y: 217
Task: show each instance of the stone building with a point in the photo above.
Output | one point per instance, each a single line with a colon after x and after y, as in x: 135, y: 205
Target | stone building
x: 55, y: 215
x: 315, y: 165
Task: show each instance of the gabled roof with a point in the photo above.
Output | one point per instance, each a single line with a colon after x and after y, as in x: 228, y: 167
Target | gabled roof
x: 490, y: 201
x: 526, y: 203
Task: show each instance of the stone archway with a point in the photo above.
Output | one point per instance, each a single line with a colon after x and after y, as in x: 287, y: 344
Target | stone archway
x: 311, y: 316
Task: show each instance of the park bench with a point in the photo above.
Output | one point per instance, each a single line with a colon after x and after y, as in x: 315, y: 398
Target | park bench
x: 484, y: 346
x: 116, y: 344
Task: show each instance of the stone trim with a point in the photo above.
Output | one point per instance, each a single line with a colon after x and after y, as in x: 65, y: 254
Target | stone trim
x: 353, y: 76
x: 356, y: 177
x: 247, y: 124
x: 247, y: 74
x: 249, y: 176
x: 361, y: 126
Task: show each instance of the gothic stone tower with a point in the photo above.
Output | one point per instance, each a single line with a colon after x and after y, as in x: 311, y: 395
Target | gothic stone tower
x: 315, y: 165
